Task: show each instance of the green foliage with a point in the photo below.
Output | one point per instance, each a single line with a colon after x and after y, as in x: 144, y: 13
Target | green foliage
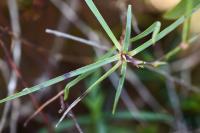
x: 74, y: 82
x: 184, y: 7
x: 84, y: 75
x: 128, y: 29
x: 62, y: 77
x: 162, y: 34
x: 154, y: 28
x: 103, y: 23
x: 191, y: 103
x: 95, y: 101
x: 120, y: 85
x: 148, y: 129
x: 120, y: 56
x: 122, y: 116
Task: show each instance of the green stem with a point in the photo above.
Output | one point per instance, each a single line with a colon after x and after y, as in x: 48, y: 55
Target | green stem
x: 178, y: 48
x: 186, y: 31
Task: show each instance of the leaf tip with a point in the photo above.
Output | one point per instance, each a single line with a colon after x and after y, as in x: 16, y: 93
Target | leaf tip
x: 66, y: 93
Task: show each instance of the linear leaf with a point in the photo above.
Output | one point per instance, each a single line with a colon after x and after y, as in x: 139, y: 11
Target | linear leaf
x: 186, y: 24
x: 181, y: 9
x: 163, y: 33
x: 95, y: 100
x: 74, y: 82
x: 120, y: 86
x: 122, y: 115
x: 88, y: 90
x: 128, y: 29
x: 143, y: 116
x: 61, y: 78
x: 159, y: 36
x: 145, y: 33
x: 177, y: 11
x: 84, y: 75
x: 103, y: 23
x: 156, y: 31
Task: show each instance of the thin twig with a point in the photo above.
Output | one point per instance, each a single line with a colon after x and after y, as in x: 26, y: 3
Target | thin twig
x: 43, y: 106
x: 54, y: 55
x: 174, y: 79
x: 75, y: 38
x: 70, y: 114
x: 19, y: 76
x: 4, y: 70
x: 16, y: 50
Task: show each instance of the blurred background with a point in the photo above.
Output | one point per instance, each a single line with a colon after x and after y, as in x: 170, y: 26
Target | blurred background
x: 154, y: 100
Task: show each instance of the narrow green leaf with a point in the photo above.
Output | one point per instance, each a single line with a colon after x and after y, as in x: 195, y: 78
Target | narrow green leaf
x: 181, y: 9
x: 88, y: 90
x: 84, y: 75
x: 186, y: 25
x: 143, y: 116
x: 122, y: 115
x: 162, y: 34
x: 154, y: 27
x: 156, y: 31
x: 120, y: 86
x: 128, y: 29
x: 95, y: 100
x: 74, y: 82
x: 61, y: 78
x: 103, y: 23
x: 177, y: 11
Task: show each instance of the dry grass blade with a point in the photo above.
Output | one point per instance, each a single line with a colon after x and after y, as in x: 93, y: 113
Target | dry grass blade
x: 75, y: 38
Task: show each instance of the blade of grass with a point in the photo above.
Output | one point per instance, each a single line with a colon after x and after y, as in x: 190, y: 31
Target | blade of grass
x: 120, y: 86
x: 84, y: 75
x: 88, y: 90
x: 122, y: 115
x: 128, y: 29
x: 159, y: 36
x: 146, y: 32
x: 181, y: 9
x: 186, y: 25
x: 103, y: 23
x: 177, y: 11
x: 178, y: 48
x: 74, y: 82
x: 156, y: 31
x: 61, y: 78
x: 163, y: 33
x: 145, y: 116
